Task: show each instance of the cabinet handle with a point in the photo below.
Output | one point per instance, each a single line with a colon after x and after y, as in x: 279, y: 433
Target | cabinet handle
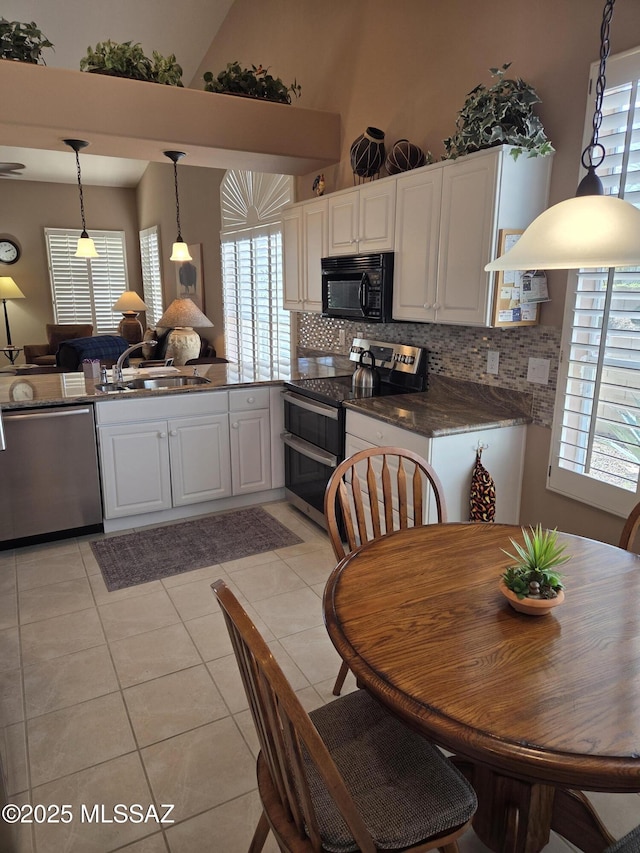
x: 162, y: 435
x: 379, y: 435
x: 436, y: 306
x: 173, y: 432
x: 251, y: 399
x: 235, y: 425
x: 426, y: 306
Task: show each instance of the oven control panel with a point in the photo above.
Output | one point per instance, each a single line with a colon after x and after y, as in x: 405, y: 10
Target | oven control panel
x: 407, y: 359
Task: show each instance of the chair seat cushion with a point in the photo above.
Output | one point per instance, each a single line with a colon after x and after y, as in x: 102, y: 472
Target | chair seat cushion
x: 403, y: 786
x: 629, y: 844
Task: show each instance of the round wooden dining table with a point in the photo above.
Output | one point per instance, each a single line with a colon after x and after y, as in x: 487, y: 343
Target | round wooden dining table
x: 534, y: 709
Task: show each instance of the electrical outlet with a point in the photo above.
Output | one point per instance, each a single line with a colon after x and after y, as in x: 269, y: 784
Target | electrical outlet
x: 493, y: 361
x: 342, y: 337
x: 538, y: 371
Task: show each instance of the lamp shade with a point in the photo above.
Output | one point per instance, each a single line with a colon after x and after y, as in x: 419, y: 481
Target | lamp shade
x: 587, y: 231
x: 180, y: 252
x: 86, y: 248
x: 130, y: 301
x: 183, y: 312
x: 9, y: 289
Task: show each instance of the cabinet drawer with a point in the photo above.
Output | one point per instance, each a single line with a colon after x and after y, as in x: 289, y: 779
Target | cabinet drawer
x: 380, y: 433
x: 169, y: 406
x: 246, y: 399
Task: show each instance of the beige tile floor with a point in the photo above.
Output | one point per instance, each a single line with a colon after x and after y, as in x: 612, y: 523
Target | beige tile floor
x: 134, y: 696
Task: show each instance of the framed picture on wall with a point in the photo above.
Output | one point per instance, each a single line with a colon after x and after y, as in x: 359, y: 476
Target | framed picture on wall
x: 189, y: 277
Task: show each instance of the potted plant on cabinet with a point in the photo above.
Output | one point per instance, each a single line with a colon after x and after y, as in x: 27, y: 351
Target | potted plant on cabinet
x: 533, y: 583
x: 498, y: 115
x: 127, y: 59
x: 22, y: 42
x: 254, y: 82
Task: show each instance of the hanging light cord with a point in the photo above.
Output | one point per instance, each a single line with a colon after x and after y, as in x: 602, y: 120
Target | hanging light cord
x: 175, y: 181
x: 84, y: 226
x: 594, y: 153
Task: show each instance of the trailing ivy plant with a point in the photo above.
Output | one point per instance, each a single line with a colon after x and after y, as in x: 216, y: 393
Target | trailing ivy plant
x: 22, y: 42
x: 127, y: 59
x: 256, y: 82
x: 500, y: 114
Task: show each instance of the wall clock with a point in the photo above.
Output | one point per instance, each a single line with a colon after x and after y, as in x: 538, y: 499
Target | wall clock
x: 9, y: 251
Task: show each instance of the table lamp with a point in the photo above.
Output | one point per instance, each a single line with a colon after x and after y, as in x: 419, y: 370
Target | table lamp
x: 8, y: 290
x: 183, y: 342
x: 130, y: 328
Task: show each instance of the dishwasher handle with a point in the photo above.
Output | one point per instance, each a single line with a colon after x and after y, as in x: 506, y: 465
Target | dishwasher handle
x: 3, y: 442
x: 46, y: 414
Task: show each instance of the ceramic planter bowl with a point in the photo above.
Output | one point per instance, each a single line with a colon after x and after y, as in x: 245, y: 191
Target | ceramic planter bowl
x: 531, y: 606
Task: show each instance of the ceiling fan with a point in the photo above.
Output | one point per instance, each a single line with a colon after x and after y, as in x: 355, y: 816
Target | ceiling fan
x: 10, y: 170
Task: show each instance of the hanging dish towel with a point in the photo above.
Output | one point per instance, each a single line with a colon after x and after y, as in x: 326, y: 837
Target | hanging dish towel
x: 483, y: 492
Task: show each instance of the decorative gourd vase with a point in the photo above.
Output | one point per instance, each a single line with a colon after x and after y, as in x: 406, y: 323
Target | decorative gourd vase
x: 367, y: 153
x: 404, y: 156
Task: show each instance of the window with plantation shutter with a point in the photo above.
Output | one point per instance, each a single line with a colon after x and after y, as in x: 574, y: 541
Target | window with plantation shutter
x: 595, y: 454
x: 257, y: 327
x: 84, y: 291
x: 151, y: 274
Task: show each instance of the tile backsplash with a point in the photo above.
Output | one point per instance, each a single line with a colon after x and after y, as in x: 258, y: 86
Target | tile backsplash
x: 456, y: 351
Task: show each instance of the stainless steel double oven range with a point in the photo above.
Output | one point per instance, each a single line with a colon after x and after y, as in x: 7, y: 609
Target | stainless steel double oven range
x: 314, y: 417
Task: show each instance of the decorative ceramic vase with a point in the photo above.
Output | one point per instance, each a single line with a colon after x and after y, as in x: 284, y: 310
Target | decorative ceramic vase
x: 404, y: 155
x: 531, y: 606
x: 367, y: 153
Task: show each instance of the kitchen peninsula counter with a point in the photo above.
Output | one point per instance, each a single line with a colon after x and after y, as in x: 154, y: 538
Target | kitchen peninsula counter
x: 449, y: 406
x: 55, y: 389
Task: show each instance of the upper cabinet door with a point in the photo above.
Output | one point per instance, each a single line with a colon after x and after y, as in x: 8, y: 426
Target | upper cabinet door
x: 377, y: 210
x: 467, y: 238
x: 343, y: 223
x: 292, y: 253
x: 416, y: 245
x: 315, y: 230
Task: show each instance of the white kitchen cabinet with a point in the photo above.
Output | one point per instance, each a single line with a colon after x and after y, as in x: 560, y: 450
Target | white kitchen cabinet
x: 151, y: 463
x: 453, y: 458
x: 448, y: 220
x: 305, y: 236
x: 363, y: 219
x: 418, y: 199
x: 250, y: 437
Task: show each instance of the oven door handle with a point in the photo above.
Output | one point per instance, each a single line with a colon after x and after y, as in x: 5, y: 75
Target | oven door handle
x: 310, y: 450
x: 305, y: 403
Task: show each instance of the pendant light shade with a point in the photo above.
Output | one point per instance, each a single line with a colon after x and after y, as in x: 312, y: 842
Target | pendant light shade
x: 86, y: 247
x: 590, y: 230
x: 180, y: 250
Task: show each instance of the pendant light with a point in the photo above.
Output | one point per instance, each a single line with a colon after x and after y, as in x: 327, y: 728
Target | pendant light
x: 180, y: 250
x: 86, y: 247
x: 592, y: 229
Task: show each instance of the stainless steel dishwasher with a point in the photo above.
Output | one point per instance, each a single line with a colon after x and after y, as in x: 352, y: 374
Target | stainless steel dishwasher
x: 49, y: 481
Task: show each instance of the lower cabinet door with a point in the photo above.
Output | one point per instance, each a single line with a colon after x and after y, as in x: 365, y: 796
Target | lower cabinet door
x: 250, y: 451
x: 200, y: 458
x: 136, y: 474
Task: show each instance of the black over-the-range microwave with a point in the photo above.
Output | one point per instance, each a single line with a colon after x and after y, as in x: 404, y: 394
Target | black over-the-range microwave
x: 358, y: 287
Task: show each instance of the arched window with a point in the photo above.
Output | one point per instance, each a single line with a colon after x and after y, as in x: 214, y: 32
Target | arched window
x: 257, y: 328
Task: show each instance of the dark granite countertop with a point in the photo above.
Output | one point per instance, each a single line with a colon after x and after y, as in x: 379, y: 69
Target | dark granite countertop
x: 450, y: 406
x: 55, y: 389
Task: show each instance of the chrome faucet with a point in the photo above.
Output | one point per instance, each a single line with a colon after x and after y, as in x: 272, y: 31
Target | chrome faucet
x: 125, y: 354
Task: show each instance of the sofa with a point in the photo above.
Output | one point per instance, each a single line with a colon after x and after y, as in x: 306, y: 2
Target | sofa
x: 44, y: 355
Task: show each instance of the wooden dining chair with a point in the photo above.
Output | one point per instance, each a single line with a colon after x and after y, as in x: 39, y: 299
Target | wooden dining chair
x: 628, y: 535
x: 347, y: 777
x: 374, y: 502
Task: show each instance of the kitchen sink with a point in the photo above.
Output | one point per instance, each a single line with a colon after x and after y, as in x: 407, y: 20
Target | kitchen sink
x: 165, y: 382
x: 152, y: 383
